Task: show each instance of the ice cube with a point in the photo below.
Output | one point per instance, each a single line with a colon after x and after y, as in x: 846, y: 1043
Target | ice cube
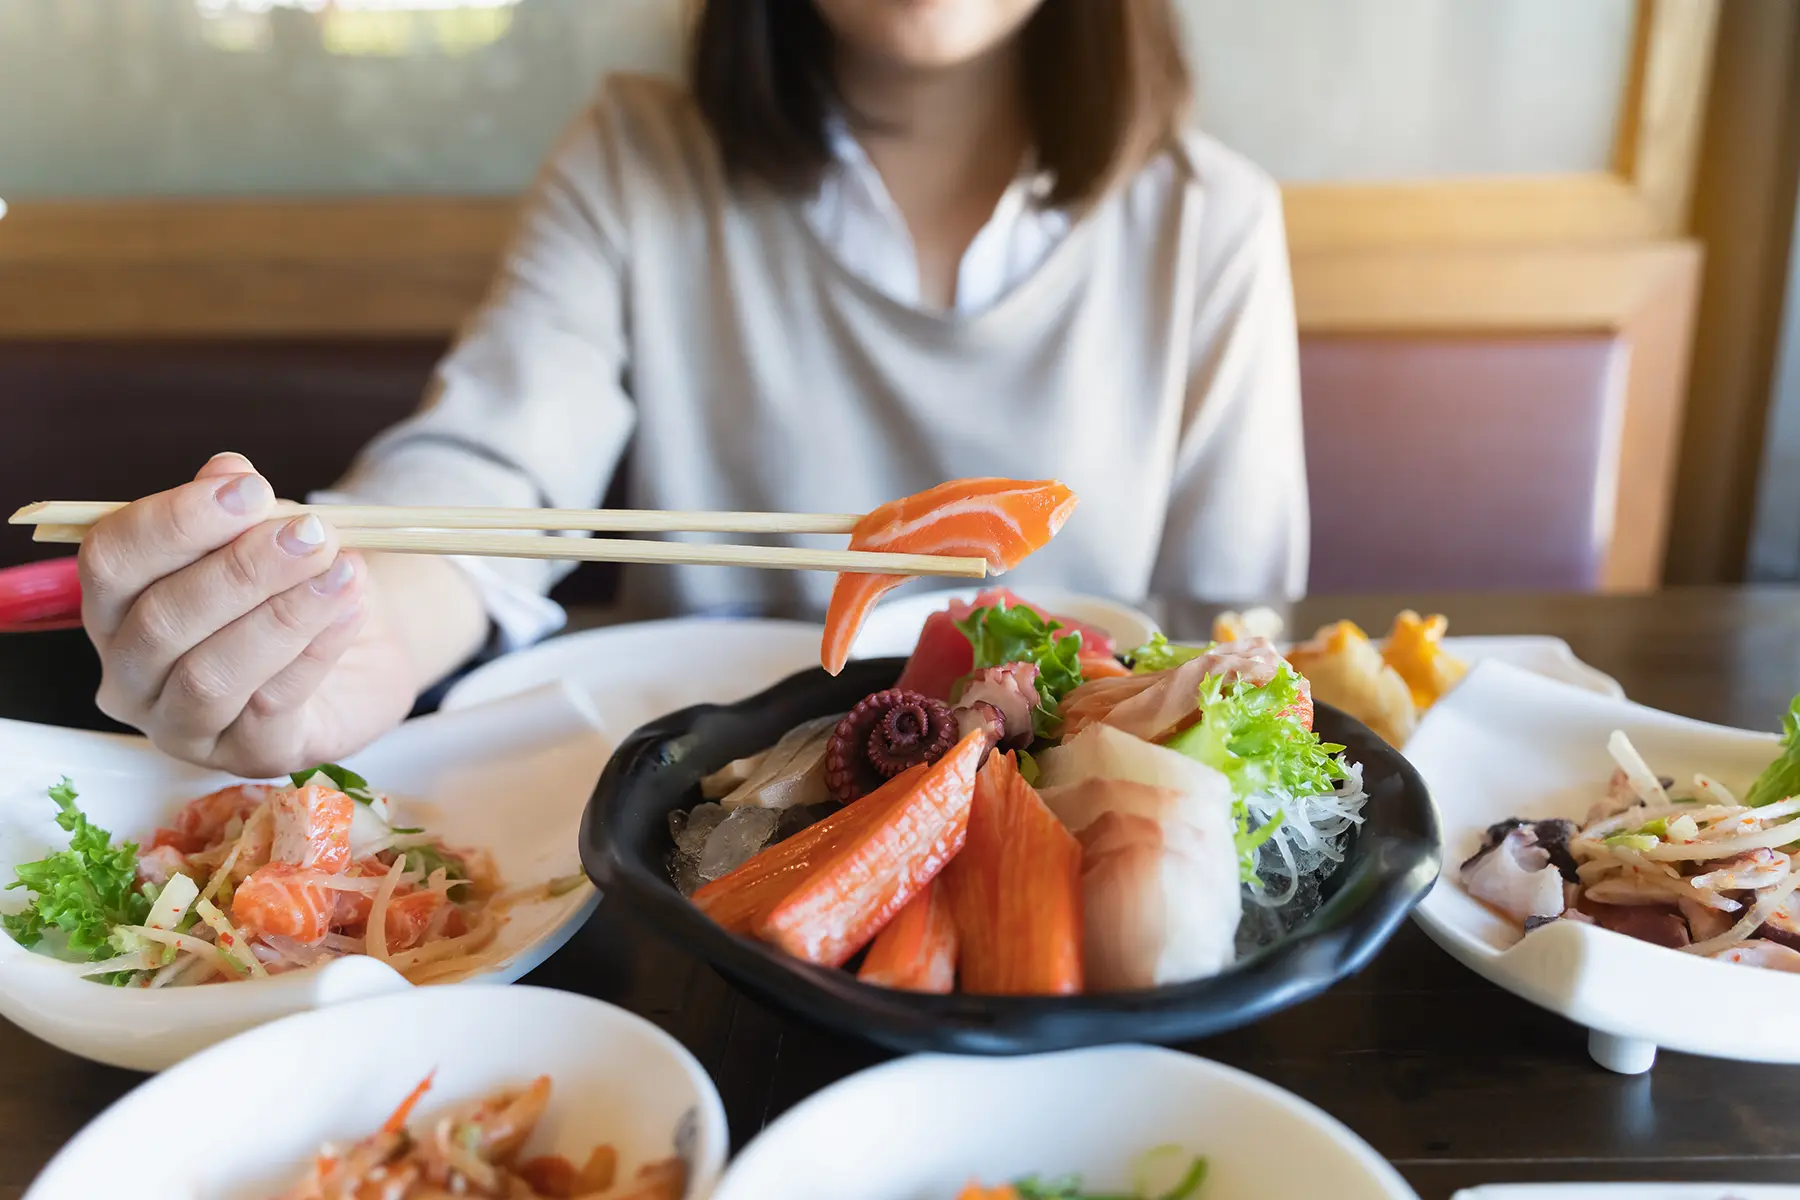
x: 735, y: 840
x: 702, y: 819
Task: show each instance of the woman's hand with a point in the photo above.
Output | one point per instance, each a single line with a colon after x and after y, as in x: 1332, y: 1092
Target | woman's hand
x: 233, y: 640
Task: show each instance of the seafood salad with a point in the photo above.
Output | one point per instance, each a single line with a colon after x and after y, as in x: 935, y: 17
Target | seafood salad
x: 477, y: 1149
x: 1028, y: 811
x: 1165, y: 1173
x: 257, y: 879
x: 1689, y: 866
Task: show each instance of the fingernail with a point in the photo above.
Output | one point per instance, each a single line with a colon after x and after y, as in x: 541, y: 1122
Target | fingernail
x: 302, y: 535
x: 336, y: 577
x: 244, y: 495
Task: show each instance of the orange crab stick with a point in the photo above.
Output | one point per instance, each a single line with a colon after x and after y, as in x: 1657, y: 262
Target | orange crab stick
x: 916, y: 952
x: 1015, y: 891
x: 1001, y: 520
x: 739, y: 901
x: 849, y: 897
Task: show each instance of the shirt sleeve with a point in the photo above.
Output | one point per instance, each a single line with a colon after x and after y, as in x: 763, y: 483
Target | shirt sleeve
x: 529, y: 409
x: 1237, y: 529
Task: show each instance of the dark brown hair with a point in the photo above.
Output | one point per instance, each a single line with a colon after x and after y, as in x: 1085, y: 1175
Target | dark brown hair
x: 1105, y: 88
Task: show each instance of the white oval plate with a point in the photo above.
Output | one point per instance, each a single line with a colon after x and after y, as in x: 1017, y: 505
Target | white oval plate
x: 1506, y: 743
x: 513, y: 777
x: 893, y: 628
x: 278, y: 1093
x: 632, y: 674
x: 1631, y: 1191
x: 923, y: 1127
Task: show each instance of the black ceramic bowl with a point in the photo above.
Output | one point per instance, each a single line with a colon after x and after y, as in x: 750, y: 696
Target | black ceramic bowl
x: 625, y: 843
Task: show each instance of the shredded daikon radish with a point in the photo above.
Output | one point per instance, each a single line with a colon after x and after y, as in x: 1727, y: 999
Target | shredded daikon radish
x: 375, y: 938
x: 1643, y: 780
x: 168, y: 975
x: 479, y: 935
x: 136, y: 960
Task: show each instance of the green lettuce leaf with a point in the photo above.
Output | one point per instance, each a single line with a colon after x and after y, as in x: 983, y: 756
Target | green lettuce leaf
x: 1160, y: 654
x: 1781, y: 779
x: 426, y: 859
x: 1004, y: 634
x: 344, y: 780
x: 84, y: 891
x: 1249, y: 735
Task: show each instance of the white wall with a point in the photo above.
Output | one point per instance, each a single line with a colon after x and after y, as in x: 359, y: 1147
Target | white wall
x: 171, y: 97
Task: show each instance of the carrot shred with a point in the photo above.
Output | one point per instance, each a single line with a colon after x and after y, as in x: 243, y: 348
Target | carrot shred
x: 397, y: 1122
x: 846, y: 899
x: 916, y: 951
x: 1015, y: 891
x: 739, y: 901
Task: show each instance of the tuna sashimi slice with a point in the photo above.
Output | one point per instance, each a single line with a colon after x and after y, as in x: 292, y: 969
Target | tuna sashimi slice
x: 1015, y: 891
x: 1160, y: 894
x: 1000, y: 520
x: 849, y: 897
x: 916, y: 952
x: 942, y: 655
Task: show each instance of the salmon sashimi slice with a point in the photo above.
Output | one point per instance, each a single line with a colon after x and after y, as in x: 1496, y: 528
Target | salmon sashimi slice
x: 409, y: 917
x: 202, y: 822
x: 282, y: 900
x: 916, y: 952
x: 312, y: 828
x: 739, y: 901
x: 1000, y: 520
x: 1015, y: 891
x: 847, y: 898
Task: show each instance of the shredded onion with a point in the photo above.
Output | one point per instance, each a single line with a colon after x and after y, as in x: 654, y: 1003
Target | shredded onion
x: 223, y: 871
x: 1767, y: 901
x: 375, y: 937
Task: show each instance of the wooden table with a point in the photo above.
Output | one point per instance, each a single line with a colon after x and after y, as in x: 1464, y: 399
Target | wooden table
x: 1454, y: 1080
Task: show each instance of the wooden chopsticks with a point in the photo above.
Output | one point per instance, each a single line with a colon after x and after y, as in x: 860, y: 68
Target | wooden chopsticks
x: 465, y: 531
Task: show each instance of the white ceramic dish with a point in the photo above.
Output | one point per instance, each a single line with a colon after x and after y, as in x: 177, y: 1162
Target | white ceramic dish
x: 893, y: 628
x: 1509, y: 743
x: 276, y: 1094
x: 1631, y: 1191
x: 923, y: 1127
x: 1546, y: 656
x: 513, y: 777
x: 632, y: 674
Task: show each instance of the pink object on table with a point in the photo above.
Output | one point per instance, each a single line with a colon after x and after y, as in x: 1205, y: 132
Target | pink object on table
x: 40, y: 596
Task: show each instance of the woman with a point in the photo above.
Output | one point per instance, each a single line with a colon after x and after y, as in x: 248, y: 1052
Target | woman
x: 874, y: 245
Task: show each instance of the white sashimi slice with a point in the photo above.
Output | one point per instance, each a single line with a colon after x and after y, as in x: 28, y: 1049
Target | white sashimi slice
x: 790, y: 773
x: 1161, y: 897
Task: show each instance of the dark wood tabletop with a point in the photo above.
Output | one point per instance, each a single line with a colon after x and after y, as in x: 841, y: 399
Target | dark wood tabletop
x: 1455, y: 1081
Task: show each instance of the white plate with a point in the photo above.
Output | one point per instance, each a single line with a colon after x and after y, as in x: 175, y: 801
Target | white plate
x: 923, y: 1127
x: 513, y: 777
x: 893, y: 628
x: 632, y: 674
x: 243, y: 1120
x: 1546, y: 656
x: 1631, y: 1191
x: 1509, y: 743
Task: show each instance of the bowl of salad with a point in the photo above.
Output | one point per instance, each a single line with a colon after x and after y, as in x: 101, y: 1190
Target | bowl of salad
x: 1021, y: 838
x: 1116, y: 1122
x: 150, y: 908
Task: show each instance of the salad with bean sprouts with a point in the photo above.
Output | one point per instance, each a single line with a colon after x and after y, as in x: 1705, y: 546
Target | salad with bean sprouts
x: 1686, y: 865
x: 259, y: 879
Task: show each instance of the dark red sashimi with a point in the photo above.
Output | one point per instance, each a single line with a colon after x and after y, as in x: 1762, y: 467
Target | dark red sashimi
x: 943, y: 655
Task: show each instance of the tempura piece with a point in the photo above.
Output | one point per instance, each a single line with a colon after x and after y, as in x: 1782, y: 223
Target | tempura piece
x: 1348, y: 672
x: 1415, y: 650
x: 1256, y: 622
